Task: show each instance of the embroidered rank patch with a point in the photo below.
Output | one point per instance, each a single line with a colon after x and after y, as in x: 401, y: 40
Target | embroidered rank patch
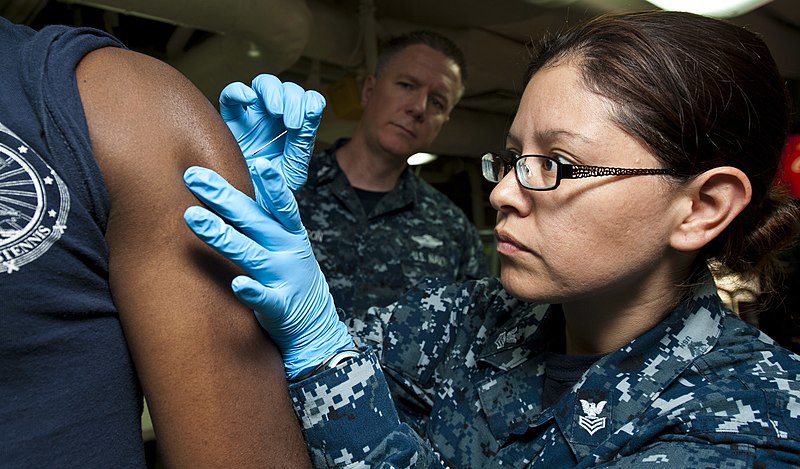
x: 591, y: 422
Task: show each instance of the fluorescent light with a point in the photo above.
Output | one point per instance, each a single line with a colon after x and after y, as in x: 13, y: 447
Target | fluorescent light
x: 717, y: 8
x: 253, y: 51
x: 420, y: 158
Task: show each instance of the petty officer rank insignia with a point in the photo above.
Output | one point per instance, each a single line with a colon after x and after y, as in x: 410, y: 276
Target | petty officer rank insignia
x: 34, y: 204
x: 590, y: 420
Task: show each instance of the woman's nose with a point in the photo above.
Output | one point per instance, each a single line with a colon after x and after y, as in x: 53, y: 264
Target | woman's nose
x: 508, y: 195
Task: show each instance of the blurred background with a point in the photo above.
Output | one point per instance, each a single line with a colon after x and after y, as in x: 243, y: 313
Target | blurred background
x: 331, y: 45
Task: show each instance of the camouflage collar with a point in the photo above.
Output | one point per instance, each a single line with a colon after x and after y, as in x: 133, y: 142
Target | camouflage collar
x: 324, y: 170
x: 619, y: 389
x: 322, y: 167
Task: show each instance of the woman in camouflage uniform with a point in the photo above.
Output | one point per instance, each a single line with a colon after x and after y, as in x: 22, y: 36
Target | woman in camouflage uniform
x: 645, y: 145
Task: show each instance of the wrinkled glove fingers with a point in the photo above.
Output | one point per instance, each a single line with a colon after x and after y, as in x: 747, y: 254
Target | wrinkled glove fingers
x: 269, y: 303
x: 293, y: 105
x: 301, y: 136
x: 232, y: 244
x: 268, y: 128
x: 274, y: 195
x: 227, y: 201
x: 306, y: 120
x: 269, y: 90
x: 233, y: 100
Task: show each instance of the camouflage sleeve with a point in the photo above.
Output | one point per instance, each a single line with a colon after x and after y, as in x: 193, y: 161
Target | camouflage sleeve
x: 701, y: 454
x: 349, y: 419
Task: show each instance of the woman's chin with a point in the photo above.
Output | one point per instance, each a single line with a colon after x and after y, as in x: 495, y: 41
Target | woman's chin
x: 522, y: 289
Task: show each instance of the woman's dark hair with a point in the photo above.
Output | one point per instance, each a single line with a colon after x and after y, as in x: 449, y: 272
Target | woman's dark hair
x: 699, y: 93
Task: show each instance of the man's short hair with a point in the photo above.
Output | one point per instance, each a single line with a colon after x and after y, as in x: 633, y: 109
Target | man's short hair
x: 431, y: 39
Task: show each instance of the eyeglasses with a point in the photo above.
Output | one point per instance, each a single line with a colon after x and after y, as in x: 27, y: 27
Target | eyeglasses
x: 544, y: 173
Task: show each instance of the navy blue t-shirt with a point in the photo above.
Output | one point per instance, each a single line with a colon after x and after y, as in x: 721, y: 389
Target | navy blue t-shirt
x: 69, y: 396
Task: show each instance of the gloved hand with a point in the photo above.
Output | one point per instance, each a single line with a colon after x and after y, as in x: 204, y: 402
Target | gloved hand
x: 286, y: 288
x: 259, y: 114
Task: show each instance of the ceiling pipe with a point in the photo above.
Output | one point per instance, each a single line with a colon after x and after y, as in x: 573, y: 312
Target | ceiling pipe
x: 268, y: 36
x: 366, y: 13
x: 177, y: 42
x: 253, y: 36
x: 335, y: 37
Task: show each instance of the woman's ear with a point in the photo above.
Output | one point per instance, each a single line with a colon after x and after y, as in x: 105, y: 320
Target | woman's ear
x: 713, y: 199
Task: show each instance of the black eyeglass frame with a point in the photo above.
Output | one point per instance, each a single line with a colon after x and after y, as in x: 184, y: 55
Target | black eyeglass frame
x: 564, y: 170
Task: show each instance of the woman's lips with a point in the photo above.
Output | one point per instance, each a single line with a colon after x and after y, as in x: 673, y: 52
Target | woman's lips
x: 507, y: 245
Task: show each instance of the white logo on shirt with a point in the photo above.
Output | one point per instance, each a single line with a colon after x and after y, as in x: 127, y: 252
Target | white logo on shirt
x: 427, y: 241
x: 591, y: 422
x: 656, y: 458
x: 34, y: 204
x: 507, y: 337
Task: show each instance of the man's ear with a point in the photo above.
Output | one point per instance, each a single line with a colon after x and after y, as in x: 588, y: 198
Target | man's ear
x: 366, y: 89
x: 710, y: 203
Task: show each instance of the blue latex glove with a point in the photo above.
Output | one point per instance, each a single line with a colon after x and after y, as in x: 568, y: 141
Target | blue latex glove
x: 259, y: 114
x: 287, y: 291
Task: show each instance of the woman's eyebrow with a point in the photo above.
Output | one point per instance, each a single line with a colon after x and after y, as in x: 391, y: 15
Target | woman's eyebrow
x: 554, y: 135
x: 547, y: 136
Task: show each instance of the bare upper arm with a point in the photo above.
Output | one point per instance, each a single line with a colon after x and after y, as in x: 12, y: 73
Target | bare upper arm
x: 214, y: 384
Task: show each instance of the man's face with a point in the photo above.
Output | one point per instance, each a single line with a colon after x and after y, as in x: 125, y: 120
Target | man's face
x: 406, y: 105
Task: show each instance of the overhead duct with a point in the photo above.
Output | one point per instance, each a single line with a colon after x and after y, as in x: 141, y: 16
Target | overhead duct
x: 336, y: 39
x: 269, y: 36
x: 253, y: 36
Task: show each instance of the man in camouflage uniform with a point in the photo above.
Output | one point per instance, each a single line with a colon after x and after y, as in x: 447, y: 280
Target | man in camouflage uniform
x: 376, y: 228
x: 371, y: 258
x: 701, y: 389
